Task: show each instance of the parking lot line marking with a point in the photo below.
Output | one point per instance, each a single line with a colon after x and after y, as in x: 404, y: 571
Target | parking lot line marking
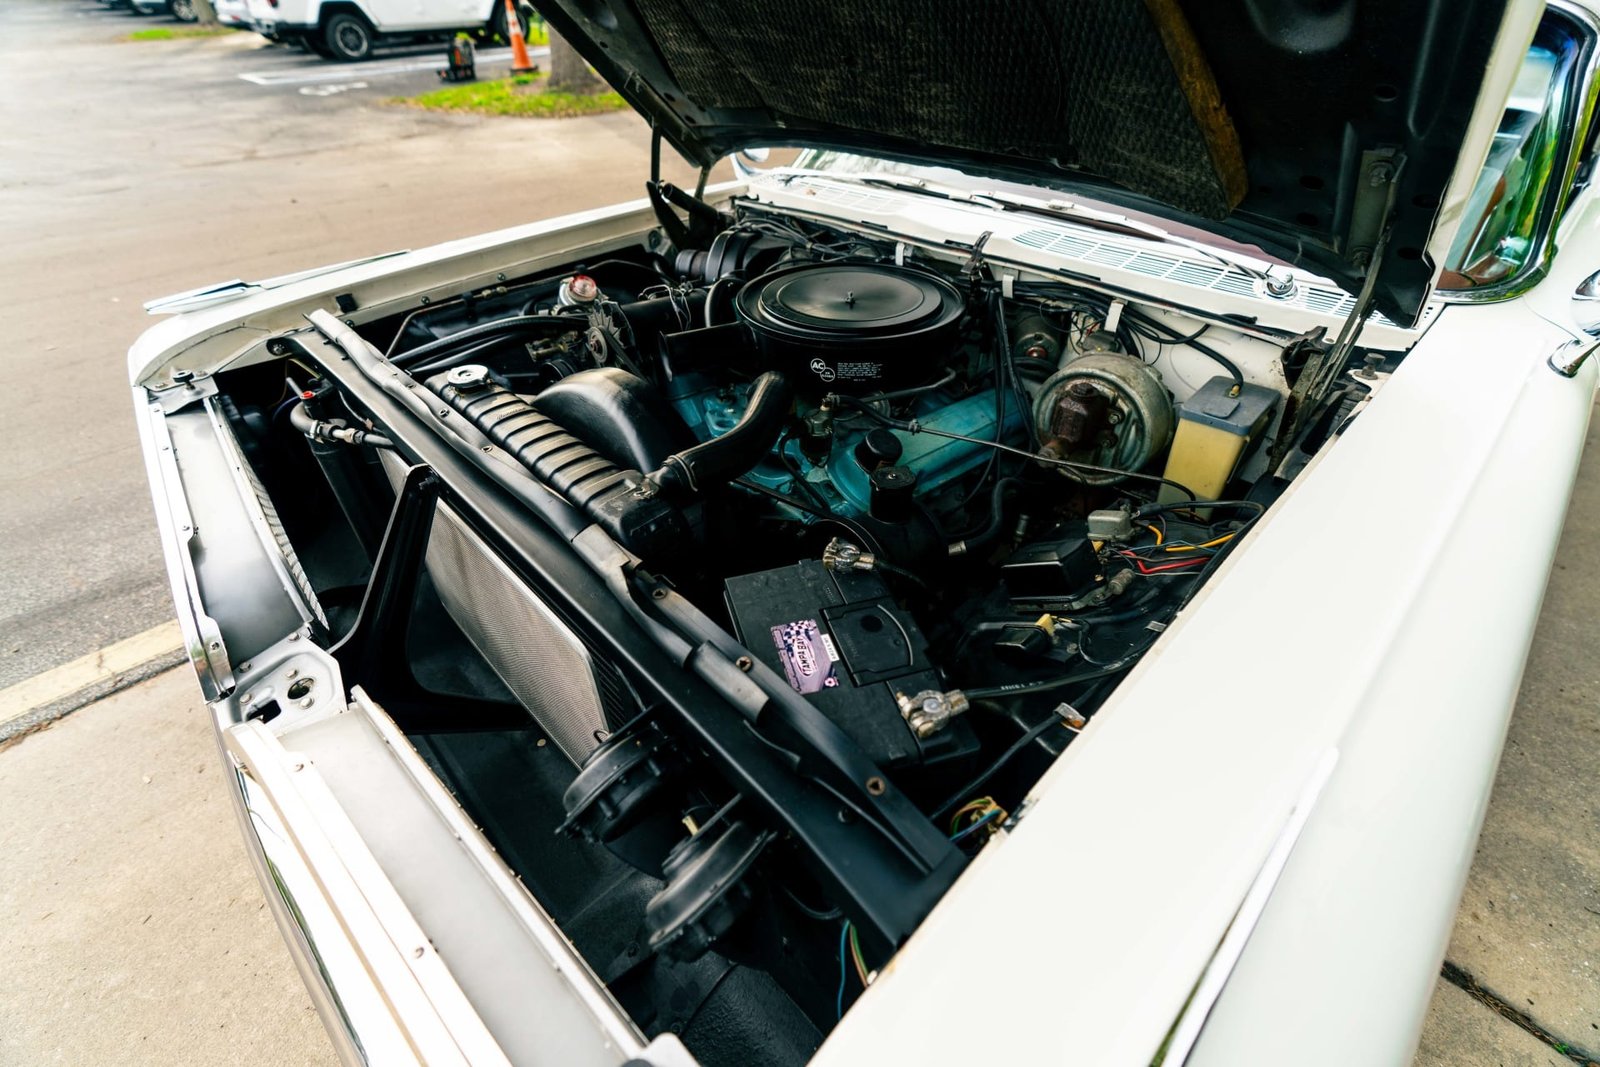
x: 383, y: 68
x: 102, y: 666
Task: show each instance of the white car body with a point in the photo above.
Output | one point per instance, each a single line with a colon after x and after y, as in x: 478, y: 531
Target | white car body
x: 1262, y: 837
x: 232, y: 12
x: 307, y: 20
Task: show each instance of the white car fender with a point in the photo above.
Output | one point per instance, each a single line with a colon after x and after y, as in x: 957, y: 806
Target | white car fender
x: 1103, y: 908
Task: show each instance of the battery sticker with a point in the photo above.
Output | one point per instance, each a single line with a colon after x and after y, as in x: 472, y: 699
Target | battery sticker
x: 810, y: 661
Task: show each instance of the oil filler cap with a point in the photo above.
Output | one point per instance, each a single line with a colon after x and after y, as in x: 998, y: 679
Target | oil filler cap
x: 879, y: 448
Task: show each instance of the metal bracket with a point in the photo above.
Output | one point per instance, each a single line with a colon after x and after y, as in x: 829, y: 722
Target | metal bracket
x: 185, y: 389
x: 1569, y: 358
x: 1369, y: 208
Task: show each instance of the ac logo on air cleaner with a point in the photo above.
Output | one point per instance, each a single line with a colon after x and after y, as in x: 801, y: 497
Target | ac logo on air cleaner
x: 821, y: 369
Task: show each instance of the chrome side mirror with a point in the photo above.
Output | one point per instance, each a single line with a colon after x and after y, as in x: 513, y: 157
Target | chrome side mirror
x: 1586, y: 305
x: 746, y: 161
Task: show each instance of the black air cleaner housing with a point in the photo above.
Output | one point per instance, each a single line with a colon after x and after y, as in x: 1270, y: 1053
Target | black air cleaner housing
x: 852, y: 327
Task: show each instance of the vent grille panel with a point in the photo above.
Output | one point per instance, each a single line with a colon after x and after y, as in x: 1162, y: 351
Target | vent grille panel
x: 1326, y: 299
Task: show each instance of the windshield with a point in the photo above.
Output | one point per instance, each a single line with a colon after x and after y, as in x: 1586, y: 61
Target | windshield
x: 1501, y: 227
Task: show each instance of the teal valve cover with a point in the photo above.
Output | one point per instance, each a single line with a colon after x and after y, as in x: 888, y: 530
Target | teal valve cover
x: 711, y: 410
x: 937, y: 461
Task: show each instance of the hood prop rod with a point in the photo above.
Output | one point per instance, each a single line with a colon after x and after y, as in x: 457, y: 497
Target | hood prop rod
x: 1323, y: 367
x: 704, y: 222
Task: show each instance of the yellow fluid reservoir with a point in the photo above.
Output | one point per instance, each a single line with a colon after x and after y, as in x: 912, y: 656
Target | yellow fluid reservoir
x: 1214, y: 430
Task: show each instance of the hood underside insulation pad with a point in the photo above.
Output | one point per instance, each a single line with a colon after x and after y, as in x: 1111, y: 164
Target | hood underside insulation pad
x: 1118, y: 89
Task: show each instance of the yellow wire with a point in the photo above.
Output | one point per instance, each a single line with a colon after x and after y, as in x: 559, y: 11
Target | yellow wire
x: 302, y: 366
x: 981, y: 805
x: 1157, y: 531
x: 855, y: 953
x: 1195, y: 548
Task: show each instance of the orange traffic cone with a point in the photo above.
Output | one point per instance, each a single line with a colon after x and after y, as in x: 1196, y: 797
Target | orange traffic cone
x: 520, y: 64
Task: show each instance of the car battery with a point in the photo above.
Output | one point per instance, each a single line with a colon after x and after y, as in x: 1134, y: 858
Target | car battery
x: 843, y: 643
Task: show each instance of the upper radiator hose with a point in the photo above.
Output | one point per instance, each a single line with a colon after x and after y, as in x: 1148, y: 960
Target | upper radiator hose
x: 722, y: 459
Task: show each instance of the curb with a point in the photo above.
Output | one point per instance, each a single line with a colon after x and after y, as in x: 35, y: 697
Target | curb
x: 38, y: 701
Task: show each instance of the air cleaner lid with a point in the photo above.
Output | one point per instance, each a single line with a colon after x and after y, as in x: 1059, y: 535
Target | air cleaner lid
x: 858, y: 300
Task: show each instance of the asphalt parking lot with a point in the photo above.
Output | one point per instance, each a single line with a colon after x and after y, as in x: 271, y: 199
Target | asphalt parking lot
x: 132, y: 170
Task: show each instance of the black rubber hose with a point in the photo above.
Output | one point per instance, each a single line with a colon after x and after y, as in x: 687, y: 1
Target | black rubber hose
x: 967, y: 791
x: 301, y: 420
x: 997, y: 520
x: 722, y: 459
x: 482, y: 329
x: 320, y: 432
x: 464, y: 355
x: 1162, y: 334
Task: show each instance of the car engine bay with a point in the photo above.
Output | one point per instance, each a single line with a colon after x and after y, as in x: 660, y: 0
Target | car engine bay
x: 913, y: 514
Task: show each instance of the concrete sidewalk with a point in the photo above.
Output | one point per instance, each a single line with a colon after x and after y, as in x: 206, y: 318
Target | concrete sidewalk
x: 135, y: 931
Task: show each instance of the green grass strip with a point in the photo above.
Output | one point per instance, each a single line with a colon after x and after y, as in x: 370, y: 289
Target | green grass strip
x: 516, y: 97
x: 173, y: 33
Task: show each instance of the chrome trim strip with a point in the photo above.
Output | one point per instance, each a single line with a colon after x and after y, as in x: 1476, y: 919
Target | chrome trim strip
x: 293, y: 925
x: 1187, y: 1029
x: 1588, y: 96
x: 393, y: 994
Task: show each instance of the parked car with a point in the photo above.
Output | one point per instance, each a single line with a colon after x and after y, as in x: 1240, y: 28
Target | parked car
x: 351, y: 29
x: 182, y: 10
x: 235, y: 13
x: 1043, y: 579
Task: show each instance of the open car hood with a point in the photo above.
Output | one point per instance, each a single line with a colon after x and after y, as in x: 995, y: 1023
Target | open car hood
x: 1299, y: 126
